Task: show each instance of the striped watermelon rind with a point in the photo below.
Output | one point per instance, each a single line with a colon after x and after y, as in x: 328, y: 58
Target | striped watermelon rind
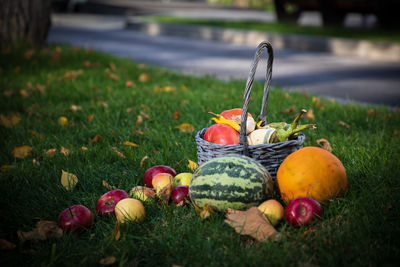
x: 236, y: 182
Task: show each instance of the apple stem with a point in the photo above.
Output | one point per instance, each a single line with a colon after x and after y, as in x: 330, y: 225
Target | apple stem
x: 70, y: 211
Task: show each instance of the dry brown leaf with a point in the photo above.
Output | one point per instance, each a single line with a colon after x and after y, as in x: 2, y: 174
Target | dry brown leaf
x: 96, y: 138
x: 185, y: 128
x: 24, y: 93
x: 289, y: 110
x: 113, y: 76
x: 8, y: 93
x: 142, y: 160
x: 325, y: 144
x: 108, y: 260
x: 28, y: 54
x: 342, y: 123
x: 90, y: 117
x: 68, y: 180
x: 395, y: 132
x: 131, y: 144
x: 137, y: 131
x: 87, y: 63
x: 35, y: 134
x: 9, y: 121
x: 5, y: 168
x: 43, y: 231
x: 251, y: 222
x: 371, y: 112
x: 176, y: 114
x: 118, y: 153
x: 139, y: 120
x: 319, y: 104
x: 129, y: 83
x: 144, y: 77
x: 72, y: 74
x: 75, y: 108
x: 192, y: 165
x: 84, y: 148
x: 65, y: 151
x: 206, y: 211
x: 147, y: 117
x: 102, y: 103
x: 108, y: 186
x: 50, y: 152
x: 40, y: 88
x: 21, y: 151
x: 310, y: 114
x: 6, y: 245
x: 129, y: 110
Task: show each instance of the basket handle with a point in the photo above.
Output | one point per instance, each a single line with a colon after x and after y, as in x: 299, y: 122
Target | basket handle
x: 263, y: 113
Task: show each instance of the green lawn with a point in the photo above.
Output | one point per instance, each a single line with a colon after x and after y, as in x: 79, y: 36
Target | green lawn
x: 288, y: 28
x: 91, y: 90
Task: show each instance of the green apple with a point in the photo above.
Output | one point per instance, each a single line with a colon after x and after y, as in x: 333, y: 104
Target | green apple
x: 182, y: 179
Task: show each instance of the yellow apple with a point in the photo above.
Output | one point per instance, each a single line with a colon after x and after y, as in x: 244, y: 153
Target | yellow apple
x: 130, y: 209
x: 162, y: 182
x: 273, y: 210
x: 182, y: 178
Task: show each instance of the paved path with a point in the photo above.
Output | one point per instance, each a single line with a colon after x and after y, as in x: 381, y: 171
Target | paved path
x: 348, y: 79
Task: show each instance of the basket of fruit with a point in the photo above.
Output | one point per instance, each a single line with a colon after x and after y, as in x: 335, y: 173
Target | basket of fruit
x: 236, y: 132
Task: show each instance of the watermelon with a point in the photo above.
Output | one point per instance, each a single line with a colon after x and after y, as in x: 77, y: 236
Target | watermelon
x: 236, y: 182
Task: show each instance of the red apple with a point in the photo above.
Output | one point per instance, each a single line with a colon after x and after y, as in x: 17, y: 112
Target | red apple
x: 180, y: 195
x: 151, y: 172
x: 302, y: 211
x: 142, y: 193
x: 106, y: 203
x: 75, y: 218
x: 221, y: 134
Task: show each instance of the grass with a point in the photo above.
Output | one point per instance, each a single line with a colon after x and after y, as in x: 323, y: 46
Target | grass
x: 360, y: 229
x: 385, y: 35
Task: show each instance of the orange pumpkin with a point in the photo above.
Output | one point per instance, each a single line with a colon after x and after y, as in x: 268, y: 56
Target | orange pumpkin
x: 311, y: 172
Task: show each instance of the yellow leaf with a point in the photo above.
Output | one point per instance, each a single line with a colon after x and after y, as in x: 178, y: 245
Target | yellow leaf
x: 21, y: 151
x: 310, y: 114
x: 117, y: 231
x: 75, y: 108
x: 62, y: 120
x: 127, y: 143
x: 185, y: 128
x: 142, y: 160
x: 68, y: 180
x: 5, y: 168
x: 65, y: 151
x: 84, y: 148
x: 144, y: 77
x: 9, y: 121
x: 50, y: 152
x: 168, y: 89
x: 118, y: 153
x: 184, y: 88
x: 192, y: 165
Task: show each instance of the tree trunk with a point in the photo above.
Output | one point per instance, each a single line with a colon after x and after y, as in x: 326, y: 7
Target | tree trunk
x: 24, y: 21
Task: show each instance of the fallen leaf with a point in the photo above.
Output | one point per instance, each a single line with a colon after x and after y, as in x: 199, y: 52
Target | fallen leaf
x: 40, y: 88
x: 251, y: 222
x: 75, y: 108
x: 168, y: 89
x: 112, y: 66
x: 65, y: 151
x: 286, y: 95
x: 184, y: 88
x: 35, y: 134
x: 144, y: 77
x: 108, y: 186
x: 102, y: 103
x: 342, y: 123
x: 137, y: 131
x: 9, y: 121
x: 5, y: 168
x: 72, y: 74
x: 84, y: 148
x: 192, y: 165
x: 21, y: 151
x: 113, y: 76
x: 142, y: 66
x: 8, y: 93
x: 35, y: 162
x: 43, y: 231
x: 90, y: 117
x: 28, y: 54
x: 206, y: 211
x: 139, y: 120
x: 62, y: 121
x: 142, y: 160
x: 118, y: 153
x: 289, y: 110
x: 129, y: 110
x: 108, y: 260
x: 50, y: 152
x: 68, y: 180
x: 325, y: 144
x: 87, y: 63
x: 388, y: 116
x: 176, y: 114
x: 319, y: 104
x: 24, y: 93
x: 129, y: 83
x: 96, y: 138
x: 157, y: 89
x: 6, y: 245
x: 147, y: 117
x: 371, y: 112
x: 310, y: 114
x: 185, y: 128
x: 395, y: 132
x: 127, y: 143
x: 117, y: 231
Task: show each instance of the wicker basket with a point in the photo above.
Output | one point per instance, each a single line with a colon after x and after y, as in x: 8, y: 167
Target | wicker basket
x: 269, y: 155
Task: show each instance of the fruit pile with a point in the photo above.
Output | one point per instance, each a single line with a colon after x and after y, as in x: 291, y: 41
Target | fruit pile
x: 227, y: 128
x: 160, y: 182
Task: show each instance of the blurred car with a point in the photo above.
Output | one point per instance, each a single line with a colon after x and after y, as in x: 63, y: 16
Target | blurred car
x: 333, y: 12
